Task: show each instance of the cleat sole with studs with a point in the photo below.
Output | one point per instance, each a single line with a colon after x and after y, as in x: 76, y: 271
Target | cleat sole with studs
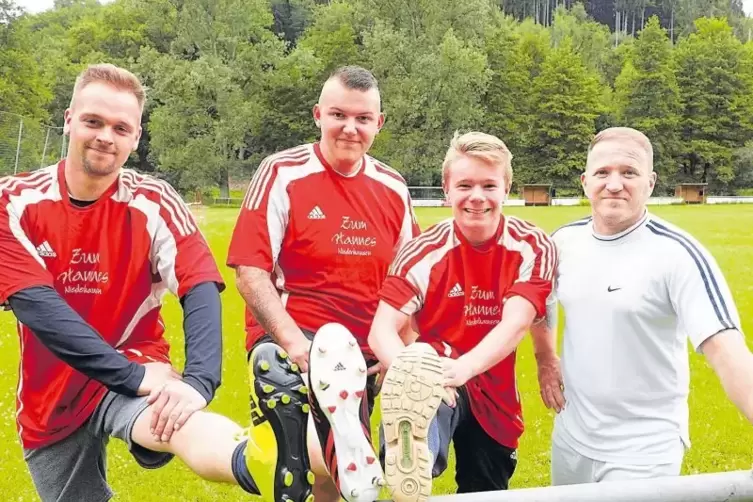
x: 411, y: 394
x: 337, y: 378
x: 278, y: 385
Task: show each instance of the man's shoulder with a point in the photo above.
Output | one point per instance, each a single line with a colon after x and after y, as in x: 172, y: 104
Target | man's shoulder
x: 577, y: 227
x: 674, y: 239
x: 133, y: 183
x: 383, y: 168
x: 290, y: 158
x: 39, y: 181
x: 430, y: 245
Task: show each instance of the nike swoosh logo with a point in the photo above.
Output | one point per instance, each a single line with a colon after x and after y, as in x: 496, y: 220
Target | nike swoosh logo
x: 610, y: 289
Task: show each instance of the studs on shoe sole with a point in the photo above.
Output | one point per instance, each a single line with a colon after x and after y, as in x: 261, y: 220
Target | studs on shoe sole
x: 263, y: 366
x: 310, y: 477
x: 287, y: 478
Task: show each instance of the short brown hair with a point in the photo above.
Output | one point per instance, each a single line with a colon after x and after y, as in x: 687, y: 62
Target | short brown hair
x: 625, y: 134
x: 483, y: 146
x: 115, y: 76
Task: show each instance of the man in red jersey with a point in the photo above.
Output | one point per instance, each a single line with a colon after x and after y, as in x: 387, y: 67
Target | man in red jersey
x: 474, y: 284
x: 318, y: 229
x: 88, y: 251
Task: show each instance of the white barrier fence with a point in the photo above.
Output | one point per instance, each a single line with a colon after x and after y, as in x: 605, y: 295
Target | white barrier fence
x: 575, y: 201
x: 736, y: 486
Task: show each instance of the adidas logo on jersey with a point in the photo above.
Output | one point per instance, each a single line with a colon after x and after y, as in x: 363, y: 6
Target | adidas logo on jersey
x: 456, y: 291
x: 45, y: 251
x: 316, y: 214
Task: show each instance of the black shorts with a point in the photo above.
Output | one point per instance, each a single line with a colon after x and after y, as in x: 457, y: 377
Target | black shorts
x: 481, y: 464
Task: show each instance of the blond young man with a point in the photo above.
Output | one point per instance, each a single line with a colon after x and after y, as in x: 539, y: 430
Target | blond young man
x: 473, y: 285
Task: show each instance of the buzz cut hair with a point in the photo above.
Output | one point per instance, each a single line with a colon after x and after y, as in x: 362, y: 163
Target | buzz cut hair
x: 107, y: 73
x: 355, y: 77
x: 627, y: 134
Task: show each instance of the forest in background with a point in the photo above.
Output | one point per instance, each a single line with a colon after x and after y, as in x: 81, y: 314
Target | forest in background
x: 231, y: 81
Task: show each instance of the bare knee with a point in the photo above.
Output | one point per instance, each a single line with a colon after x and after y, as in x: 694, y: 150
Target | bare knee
x: 325, y: 490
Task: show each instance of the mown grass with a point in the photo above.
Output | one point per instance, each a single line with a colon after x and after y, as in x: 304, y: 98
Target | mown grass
x: 720, y: 434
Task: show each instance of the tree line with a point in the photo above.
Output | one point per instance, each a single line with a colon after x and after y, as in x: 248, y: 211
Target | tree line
x: 231, y: 81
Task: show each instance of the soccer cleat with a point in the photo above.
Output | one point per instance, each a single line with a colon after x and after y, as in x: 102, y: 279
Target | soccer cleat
x: 411, y: 394
x: 278, y: 459
x: 340, y: 413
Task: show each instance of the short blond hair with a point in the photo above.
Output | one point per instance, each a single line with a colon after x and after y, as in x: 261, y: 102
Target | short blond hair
x: 120, y: 78
x: 485, y: 147
x: 625, y: 134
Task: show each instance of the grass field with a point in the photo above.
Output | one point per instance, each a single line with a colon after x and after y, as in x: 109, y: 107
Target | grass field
x: 721, y: 437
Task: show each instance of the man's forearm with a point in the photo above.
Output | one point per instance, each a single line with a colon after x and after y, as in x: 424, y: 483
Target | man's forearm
x: 59, y: 328
x: 733, y: 363
x: 389, y: 334
x: 261, y: 296
x: 544, y: 333
x: 202, y: 324
x: 501, y: 341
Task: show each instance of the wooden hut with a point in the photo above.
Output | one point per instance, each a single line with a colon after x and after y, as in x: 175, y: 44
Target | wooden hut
x: 537, y: 194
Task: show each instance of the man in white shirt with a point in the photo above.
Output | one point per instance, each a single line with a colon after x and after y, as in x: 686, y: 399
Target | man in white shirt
x: 633, y: 288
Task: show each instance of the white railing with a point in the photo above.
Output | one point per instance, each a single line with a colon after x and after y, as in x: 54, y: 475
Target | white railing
x: 734, y: 486
x: 577, y: 201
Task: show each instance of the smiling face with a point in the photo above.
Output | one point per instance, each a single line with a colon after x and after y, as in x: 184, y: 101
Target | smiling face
x: 618, y: 181
x: 476, y: 189
x: 103, y: 123
x: 349, y: 120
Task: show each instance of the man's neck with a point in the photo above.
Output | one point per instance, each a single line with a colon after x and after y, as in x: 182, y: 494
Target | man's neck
x: 83, y: 186
x: 604, y: 226
x: 480, y: 237
x: 346, y: 169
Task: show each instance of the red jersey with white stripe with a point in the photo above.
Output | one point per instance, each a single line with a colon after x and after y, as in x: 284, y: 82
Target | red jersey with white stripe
x: 327, y: 239
x: 112, y: 262
x: 456, y: 292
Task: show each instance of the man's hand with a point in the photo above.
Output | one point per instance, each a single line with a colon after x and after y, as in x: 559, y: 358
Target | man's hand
x: 451, y: 397
x: 298, y: 351
x: 172, y: 405
x: 456, y: 372
x: 550, y: 382
x: 379, y: 370
x: 155, y: 376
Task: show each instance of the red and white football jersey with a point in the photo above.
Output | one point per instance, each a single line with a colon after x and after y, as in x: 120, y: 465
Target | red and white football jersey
x: 112, y: 261
x: 327, y: 239
x: 456, y: 292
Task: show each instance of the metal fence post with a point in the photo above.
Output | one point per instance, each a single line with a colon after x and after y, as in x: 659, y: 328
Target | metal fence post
x: 44, y: 150
x: 18, y: 145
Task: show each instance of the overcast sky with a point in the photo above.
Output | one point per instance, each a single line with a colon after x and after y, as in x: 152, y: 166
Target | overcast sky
x: 40, y: 5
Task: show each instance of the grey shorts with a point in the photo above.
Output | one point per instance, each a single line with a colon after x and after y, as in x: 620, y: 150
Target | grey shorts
x: 74, y: 468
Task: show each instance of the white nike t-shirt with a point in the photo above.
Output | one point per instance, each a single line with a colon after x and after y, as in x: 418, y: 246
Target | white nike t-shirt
x: 631, y: 300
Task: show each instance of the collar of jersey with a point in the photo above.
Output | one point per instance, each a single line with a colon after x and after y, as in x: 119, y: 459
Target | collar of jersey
x: 624, y: 233
x: 65, y: 193
x: 318, y: 152
x: 486, y: 246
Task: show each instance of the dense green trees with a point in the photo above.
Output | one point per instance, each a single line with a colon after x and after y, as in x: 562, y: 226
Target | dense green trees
x: 231, y: 81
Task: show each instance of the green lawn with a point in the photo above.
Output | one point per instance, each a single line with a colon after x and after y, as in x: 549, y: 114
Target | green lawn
x: 721, y: 437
